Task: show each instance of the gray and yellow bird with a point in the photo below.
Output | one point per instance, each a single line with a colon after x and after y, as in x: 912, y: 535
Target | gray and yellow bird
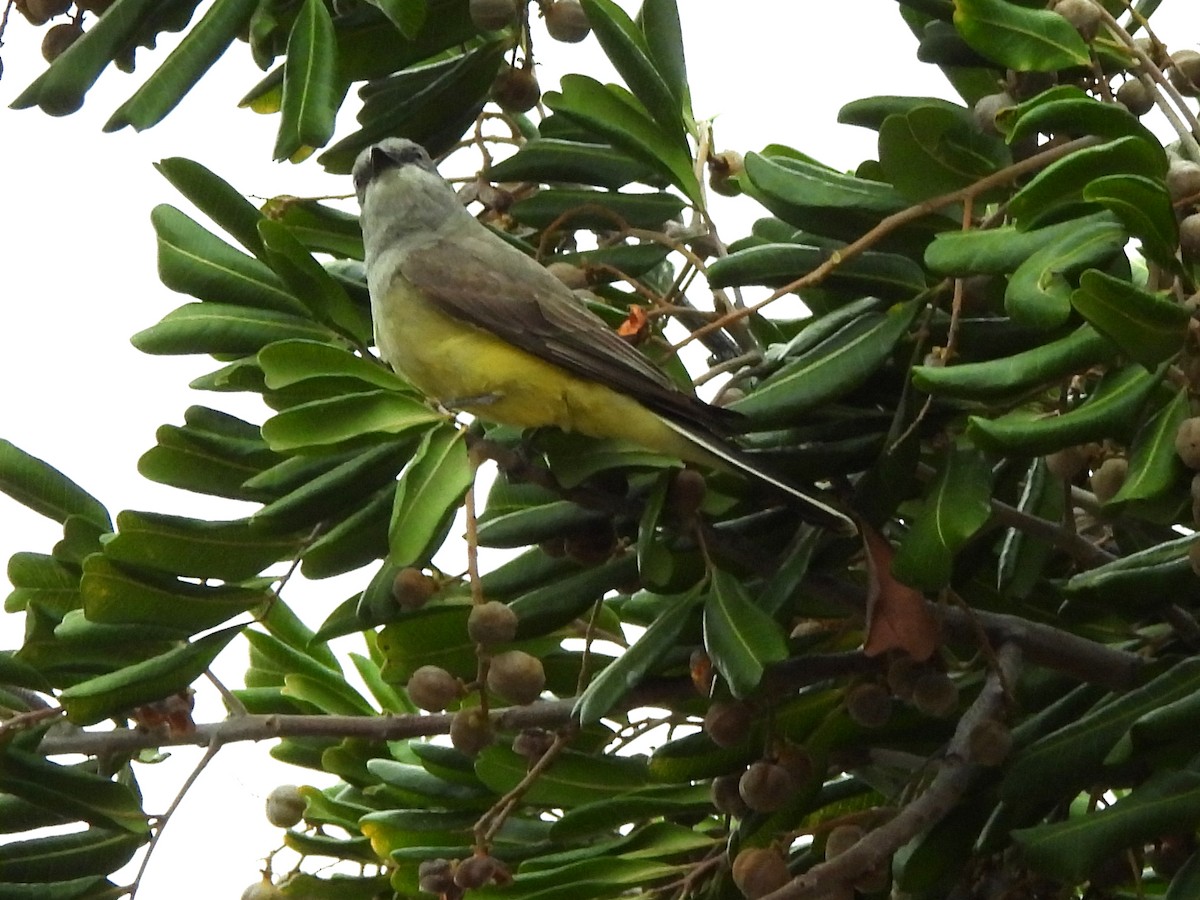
x: 476, y: 325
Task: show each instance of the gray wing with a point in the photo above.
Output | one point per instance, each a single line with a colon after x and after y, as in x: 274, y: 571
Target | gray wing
x: 497, y: 288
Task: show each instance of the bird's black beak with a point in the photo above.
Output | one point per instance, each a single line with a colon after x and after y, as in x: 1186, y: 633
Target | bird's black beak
x: 381, y: 161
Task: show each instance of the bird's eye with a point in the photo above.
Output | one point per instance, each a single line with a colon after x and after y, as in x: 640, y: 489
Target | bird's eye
x: 412, y: 153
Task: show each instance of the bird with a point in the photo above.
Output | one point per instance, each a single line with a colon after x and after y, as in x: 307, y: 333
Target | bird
x: 478, y: 326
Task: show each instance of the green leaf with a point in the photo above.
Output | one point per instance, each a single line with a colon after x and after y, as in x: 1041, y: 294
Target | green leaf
x: 432, y: 104
x: 888, y: 276
x: 285, y: 363
x: 741, y: 639
x: 1067, y: 110
x: 430, y: 490
x: 931, y: 151
x: 60, y: 858
x: 996, y: 251
x: 1063, y: 182
x: 659, y: 22
x: 831, y: 368
x: 551, y: 606
x: 407, y: 15
x: 1039, y: 293
x: 356, y: 541
x: 330, y: 495
x: 306, y: 678
x: 625, y: 123
x: 230, y: 551
x: 322, y: 423
x: 597, y: 210
x: 1020, y: 372
x: 194, y: 261
x: 1106, y: 413
x: 117, y: 596
x: 872, y: 112
x: 1154, y: 466
x: 216, y: 328
x: 311, y: 89
x: 573, y: 778
x: 118, y: 692
x: 59, y: 91
x: 1152, y: 577
x: 34, y: 483
x: 622, y: 674
x: 574, y: 162
x: 816, y: 198
x: 1147, y: 327
x: 1144, y: 207
x: 319, y: 291
x: 956, y: 506
x: 1067, y: 759
x: 628, y: 48
x: 73, y: 791
x: 1169, y: 802
x: 214, y: 197
x: 1027, y: 40
x: 184, y: 66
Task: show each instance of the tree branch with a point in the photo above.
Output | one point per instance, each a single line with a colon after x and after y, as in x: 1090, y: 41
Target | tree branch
x: 954, y: 776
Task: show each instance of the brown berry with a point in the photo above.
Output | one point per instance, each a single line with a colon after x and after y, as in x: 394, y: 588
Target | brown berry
x: 990, y: 742
x: 987, y: 108
x: 532, y: 743
x: 758, y: 871
x: 1187, y: 442
x: 869, y: 705
x: 727, y: 723
x: 1136, y: 97
x: 566, y: 21
x: 1107, y: 479
x: 491, y: 623
x: 1183, y: 180
x: 727, y: 797
x: 1082, y: 14
x: 1185, y: 72
x: 902, y: 675
x: 934, y: 694
x: 412, y: 588
x: 841, y: 838
x: 1189, y: 237
x: 591, y: 544
x: 436, y: 876
x: 492, y: 15
x: 475, y: 871
x: 798, y: 762
x: 1067, y: 462
x: 285, y: 806
x: 432, y: 688
x: 38, y: 11
x: 58, y: 39
x: 766, y: 786
x: 686, y: 494
x: 516, y: 90
x: 569, y: 274
x: 516, y: 676
x: 470, y: 731
x: 722, y: 167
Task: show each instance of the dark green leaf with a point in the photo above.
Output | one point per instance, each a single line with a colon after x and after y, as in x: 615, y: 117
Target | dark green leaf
x: 740, y: 638
x: 321, y: 423
x: 430, y: 491
x: 1028, y: 40
x: 184, y: 66
x: 1144, y: 207
x: 1147, y: 327
x: 931, y: 151
x: 311, y: 89
x: 215, y: 197
x: 119, y: 692
x: 38, y: 485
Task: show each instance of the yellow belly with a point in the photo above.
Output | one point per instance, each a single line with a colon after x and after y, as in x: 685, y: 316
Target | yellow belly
x: 455, y: 363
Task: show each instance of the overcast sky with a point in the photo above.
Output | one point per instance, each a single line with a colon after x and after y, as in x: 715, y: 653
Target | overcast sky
x: 78, y: 278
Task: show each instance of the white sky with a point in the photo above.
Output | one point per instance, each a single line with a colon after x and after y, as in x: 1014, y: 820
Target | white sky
x: 77, y: 278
